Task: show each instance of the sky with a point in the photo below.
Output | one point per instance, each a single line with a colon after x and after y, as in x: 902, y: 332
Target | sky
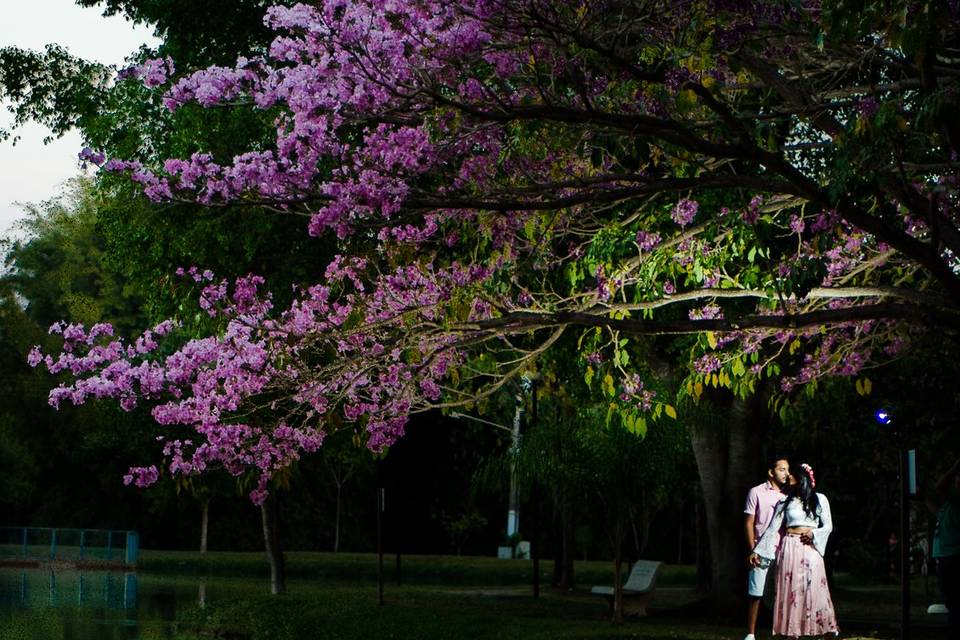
x: 31, y: 171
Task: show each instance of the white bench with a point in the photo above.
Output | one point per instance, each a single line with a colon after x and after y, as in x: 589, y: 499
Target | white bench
x: 637, y: 590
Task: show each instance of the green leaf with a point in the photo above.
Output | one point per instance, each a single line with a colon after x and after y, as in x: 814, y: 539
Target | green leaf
x: 640, y: 428
x: 608, y: 385
x: 738, y: 368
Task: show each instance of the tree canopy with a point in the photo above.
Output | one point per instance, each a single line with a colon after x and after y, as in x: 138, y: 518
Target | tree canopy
x: 778, y: 178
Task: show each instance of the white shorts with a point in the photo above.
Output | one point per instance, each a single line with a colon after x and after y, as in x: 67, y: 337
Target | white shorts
x: 757, y: 579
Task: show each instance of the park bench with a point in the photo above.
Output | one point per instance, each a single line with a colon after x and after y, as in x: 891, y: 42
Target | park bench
x: 637, y: 590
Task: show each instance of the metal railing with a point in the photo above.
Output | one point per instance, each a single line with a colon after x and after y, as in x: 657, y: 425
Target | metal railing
x: 74, y: 545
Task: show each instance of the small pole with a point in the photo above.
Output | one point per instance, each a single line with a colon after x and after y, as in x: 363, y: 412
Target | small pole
x: 904, y: 544
x: 380, y: 496
x: 535, y: 508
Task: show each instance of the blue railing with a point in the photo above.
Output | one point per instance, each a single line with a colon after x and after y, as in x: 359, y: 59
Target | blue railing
x: 75, y: 545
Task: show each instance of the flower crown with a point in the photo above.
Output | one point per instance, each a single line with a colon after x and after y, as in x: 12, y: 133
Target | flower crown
x: 809, y: 471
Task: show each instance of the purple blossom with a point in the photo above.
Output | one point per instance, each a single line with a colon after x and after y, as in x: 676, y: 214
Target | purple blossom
x: 868, y: 107
x: 707, y: 363
x: 752, y: 213
x: 35, y: 357
x: 684, y: 211
x: 141, y: 476
x: 796, y: 224
x: 647, y: 240
x: 156, y: 71
x: 707, y: 312
x: 93, y: 157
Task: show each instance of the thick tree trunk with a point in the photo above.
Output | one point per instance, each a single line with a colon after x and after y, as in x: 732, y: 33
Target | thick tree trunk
x: 271, y: 539
x: 726, y: 446
x: 204, y: 523
x: 680, y: 509
x: 702, y: 546
x: 618, y: 575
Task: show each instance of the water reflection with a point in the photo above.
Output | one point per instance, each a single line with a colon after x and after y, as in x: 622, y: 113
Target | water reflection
x: 59, y: 588
x: 68, y: 604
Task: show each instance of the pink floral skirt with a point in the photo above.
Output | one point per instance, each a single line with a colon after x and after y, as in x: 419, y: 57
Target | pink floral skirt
x: 803, y: 606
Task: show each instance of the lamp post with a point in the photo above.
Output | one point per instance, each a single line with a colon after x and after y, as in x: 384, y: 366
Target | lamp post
x: 529, y: 384
x: 908, y: 486
x: 513, y: 518
x: 535, y: 503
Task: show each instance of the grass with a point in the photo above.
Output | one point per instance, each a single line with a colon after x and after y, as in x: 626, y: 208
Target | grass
x: 334, y: 596
x: 347, y: 613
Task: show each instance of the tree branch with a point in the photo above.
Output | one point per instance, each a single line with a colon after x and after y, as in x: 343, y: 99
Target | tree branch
x: 526, y: 321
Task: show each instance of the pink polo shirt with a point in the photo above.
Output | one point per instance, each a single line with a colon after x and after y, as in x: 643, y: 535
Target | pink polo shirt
x: 761, y: 503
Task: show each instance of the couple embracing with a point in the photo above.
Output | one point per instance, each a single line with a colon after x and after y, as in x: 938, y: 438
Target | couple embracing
x: 787, y: 526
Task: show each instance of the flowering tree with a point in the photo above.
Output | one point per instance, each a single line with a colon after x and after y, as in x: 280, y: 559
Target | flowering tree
x: 778, y: 179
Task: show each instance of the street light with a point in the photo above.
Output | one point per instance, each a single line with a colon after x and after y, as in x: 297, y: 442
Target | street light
x: 513, y: 516
x: 528, y: 383
x: 908, y: 486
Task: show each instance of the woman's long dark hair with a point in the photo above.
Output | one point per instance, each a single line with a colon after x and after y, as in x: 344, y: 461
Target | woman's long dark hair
x: 803, y: 491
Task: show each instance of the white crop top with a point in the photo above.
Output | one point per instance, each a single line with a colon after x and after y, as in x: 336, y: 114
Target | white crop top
x: 791, y: 512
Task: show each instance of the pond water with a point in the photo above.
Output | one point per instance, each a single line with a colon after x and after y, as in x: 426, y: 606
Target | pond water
x: 46, y: 604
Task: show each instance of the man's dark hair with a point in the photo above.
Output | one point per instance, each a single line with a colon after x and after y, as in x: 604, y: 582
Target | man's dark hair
x: 774, y: 459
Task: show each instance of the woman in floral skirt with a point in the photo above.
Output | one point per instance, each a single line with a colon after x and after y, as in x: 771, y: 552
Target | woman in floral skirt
x: 803, y: 606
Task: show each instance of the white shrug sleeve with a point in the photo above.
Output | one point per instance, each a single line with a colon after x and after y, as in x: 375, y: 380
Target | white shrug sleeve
x: 822, y: 533
x: 766, y: 546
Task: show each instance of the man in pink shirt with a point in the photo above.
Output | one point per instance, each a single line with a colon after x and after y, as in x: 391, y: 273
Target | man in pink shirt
x: 761, y: 503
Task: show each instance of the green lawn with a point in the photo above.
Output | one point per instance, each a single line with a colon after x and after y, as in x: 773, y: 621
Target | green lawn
x: 334, y: 596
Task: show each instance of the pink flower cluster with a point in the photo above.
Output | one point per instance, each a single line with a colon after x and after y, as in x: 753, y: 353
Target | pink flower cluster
x: 635, y: 393
x: 258, y: 395
x: 684, y: 211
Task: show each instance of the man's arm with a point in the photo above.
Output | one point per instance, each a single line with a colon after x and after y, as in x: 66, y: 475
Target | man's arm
x: 748, y: 523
